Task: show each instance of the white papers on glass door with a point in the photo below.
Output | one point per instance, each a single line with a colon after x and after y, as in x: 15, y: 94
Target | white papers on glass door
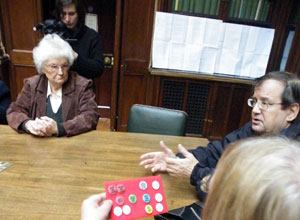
x: 210, y: 46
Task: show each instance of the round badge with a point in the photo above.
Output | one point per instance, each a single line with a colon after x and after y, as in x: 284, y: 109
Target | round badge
x: 120, y: 200
x: 159, y: 207
x: 146, y: 198
x: 143, y: 185
x: 126, y: 209
x: 155, y: 185
x: 112, y: 189
x: 117, y: 211
x: 158, y: 197
x: 132, y: 198
x: 148, y: 209
x: 120, y: 188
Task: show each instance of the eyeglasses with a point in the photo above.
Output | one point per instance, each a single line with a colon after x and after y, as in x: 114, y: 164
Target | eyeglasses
x: 205, y: 182
x: 55, y: 68
x: 262, y: 105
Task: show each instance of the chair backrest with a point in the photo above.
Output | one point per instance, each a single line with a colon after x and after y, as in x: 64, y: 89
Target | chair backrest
x: 156, y: 120
x: 103, y: 124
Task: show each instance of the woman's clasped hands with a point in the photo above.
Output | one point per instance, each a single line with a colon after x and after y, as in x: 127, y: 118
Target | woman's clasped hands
x: 43, y: 126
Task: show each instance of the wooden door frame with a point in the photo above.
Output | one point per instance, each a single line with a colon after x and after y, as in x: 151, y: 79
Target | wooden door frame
x: 17, y: 57
x: 116, y: 66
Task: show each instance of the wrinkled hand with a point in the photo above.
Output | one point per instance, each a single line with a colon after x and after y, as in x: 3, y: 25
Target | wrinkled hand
x: 96, y: 207
x: 34, y: 128
x: 43, y: 126
x: 51, y: 125
x: 181, y: 167
x: 157, y: 160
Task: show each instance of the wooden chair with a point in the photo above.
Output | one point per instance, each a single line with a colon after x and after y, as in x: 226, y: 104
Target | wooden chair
x: 156, y: 120
x: 103, y: 124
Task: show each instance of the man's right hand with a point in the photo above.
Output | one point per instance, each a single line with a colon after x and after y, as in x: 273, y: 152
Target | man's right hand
x: 156, y: 161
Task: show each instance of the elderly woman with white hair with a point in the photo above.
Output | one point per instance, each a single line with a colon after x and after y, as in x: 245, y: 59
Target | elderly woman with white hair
x: 57, y: 102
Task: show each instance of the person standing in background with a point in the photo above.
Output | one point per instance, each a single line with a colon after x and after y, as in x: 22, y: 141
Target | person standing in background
x: 86, y: 42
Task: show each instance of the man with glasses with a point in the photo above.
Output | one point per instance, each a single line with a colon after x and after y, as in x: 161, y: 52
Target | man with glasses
x: 275, y: 111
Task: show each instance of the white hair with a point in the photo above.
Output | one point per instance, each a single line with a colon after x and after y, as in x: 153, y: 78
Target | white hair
x: 51, y: 46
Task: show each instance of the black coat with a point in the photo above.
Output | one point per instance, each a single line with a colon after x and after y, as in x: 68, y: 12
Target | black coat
x: 4, y: 102
x: 88, y: 45
x: 209, y: 156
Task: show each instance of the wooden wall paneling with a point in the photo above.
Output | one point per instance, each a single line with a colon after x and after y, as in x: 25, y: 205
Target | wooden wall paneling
x: 236, y: 110
x: 135, y: 56
x: 229, y: 110
x: 280, y: 21
x: 132, y: 91
x: 19, y: 17
x: 23, y: 72
x: 153, y: 88
x: 246, y: 110
x: 220, y: 112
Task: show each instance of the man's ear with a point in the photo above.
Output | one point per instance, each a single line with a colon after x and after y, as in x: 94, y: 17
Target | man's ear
x: 293, y: 112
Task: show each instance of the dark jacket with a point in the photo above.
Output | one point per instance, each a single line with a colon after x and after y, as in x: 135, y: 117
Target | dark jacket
x: 209, y: 156
x: 4, y: 102
x: 79, y: 109
x: 88, y: 45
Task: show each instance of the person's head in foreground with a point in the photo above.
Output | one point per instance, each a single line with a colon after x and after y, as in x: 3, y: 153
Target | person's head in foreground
x: 275, y: 102
x: 256, y: 178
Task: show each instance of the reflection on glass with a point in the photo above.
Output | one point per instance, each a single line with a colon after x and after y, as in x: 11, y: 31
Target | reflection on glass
x: 257, y: 10
x: 286, y: 51
x: 206, y: 7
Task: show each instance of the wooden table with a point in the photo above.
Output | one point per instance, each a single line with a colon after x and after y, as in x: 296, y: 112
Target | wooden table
x: 50, y: 177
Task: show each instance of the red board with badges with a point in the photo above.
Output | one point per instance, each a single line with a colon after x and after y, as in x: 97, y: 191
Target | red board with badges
x: 136, y: 198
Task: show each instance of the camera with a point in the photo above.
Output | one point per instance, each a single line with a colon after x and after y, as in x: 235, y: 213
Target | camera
x: 52, y: 26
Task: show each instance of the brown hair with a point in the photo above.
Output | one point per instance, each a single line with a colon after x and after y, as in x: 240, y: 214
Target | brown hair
x: 79, y: 9
x: 291, y: 82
